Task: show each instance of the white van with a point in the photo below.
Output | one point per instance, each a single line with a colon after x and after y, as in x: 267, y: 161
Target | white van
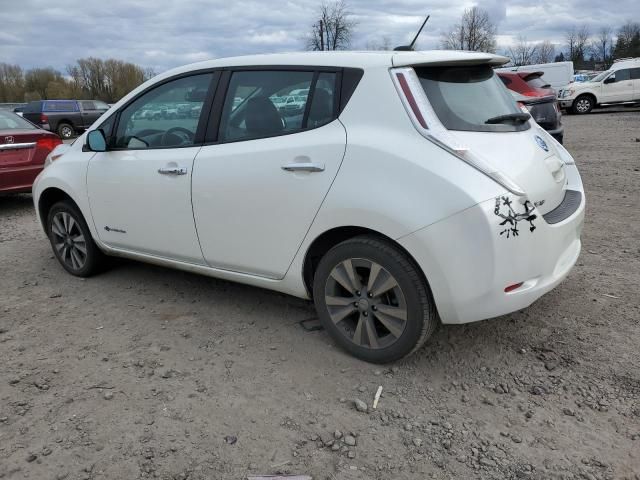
x: 557, y: 74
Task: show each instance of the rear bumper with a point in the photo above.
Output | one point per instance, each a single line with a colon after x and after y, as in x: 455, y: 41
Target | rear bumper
x: 471, y: 257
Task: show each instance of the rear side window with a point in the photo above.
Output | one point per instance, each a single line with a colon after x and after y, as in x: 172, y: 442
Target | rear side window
x: 269, y: 103
x: 11, y: 121
x: 471, y: 98
x: 87, y: 105
x: 60, y: 107
x: 635, y: 73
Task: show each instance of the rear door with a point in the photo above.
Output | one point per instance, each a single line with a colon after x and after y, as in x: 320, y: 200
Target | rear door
x: 259, y: 184
x: 90, y: 112
x: 618, y: 87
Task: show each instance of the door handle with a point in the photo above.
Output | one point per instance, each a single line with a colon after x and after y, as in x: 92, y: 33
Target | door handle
x: 172, y: 171
x: 304, y: 167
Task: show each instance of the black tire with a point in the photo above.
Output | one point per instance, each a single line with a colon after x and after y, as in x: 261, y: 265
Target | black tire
x: 65, y: 131
x: 58, y: 234
x: 583, y: 105
x: 410, y: 291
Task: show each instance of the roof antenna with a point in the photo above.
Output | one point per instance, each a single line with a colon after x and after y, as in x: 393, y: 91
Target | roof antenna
x: 409, y: 48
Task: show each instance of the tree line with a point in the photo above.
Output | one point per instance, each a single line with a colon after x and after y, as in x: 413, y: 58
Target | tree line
x: 333, y: 29
x: 89, y: 78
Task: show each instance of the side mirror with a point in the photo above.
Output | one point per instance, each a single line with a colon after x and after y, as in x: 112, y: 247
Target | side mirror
x: 96, y: 141
x: 611, y: 79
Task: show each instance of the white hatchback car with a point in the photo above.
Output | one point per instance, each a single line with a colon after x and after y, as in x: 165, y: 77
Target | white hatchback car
x: 411, y: 189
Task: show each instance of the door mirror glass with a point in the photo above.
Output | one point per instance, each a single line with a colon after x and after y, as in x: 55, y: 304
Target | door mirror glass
x: 96, y: 141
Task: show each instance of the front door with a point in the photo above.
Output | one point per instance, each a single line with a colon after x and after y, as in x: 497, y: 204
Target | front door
x: 140, y: 188
x: 618, y: 90
x: 257, y: 190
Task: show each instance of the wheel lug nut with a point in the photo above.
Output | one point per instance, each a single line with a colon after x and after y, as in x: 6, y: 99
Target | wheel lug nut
x: 374, y: 308
x: 365, y: 314
x: 358, y: 292
x: 370, y: 295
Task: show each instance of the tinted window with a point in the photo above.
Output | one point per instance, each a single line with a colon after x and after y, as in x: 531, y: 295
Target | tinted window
x: 167, y: 116
x: 264, y: 103
x: 60, y: 106
x: 635, y: 73
x: 323, y: 104
x: 465, y: 98
x: 11, y: 121
x: 505, y: 80
x: 86, y: 105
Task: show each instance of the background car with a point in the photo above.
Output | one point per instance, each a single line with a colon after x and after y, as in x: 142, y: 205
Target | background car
x: 537, y: 98
x: 66, y: 117
x: 556, y: 74
x: 23, y: 150
x: 620, y: 85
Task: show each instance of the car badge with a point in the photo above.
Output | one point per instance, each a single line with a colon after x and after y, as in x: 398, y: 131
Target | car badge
x: 542, y: 144
x: 9, y: 139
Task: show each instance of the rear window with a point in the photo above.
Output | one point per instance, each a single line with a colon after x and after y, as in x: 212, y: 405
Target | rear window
x: 537, y: 82
x: 60, y: 106
x: 465, y: 98
x: 11, y: 121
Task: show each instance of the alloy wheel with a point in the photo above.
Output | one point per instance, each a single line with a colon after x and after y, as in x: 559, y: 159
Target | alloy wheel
x: 68, y: 240
x: 66, y: 132
x: 583, y: 105
x: 366, y: 303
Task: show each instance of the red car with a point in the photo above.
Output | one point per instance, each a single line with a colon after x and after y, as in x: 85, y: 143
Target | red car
x: 538, y: 98
x: 529, y: 84
x: 23, y: 149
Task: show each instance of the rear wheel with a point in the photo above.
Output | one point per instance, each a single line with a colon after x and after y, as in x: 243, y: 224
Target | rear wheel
x: 65, y: 130
x: 71, y: 240
x: 372, y: 300
x: 583, y: 104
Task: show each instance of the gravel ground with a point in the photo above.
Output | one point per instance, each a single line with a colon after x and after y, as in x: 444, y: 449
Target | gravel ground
x: 144, y: 372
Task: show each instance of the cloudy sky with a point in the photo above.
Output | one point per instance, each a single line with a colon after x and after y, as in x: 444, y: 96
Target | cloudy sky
x: 165, y: 33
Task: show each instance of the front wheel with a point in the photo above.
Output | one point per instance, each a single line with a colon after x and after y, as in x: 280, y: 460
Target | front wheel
x: 583, y: 104
x: 373, y: 300
x: 71, y: 240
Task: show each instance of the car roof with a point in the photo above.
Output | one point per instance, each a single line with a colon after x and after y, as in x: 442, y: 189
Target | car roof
x: 355, y: 59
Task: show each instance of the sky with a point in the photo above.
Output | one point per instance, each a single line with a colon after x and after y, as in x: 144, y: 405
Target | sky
x: 162, y: 34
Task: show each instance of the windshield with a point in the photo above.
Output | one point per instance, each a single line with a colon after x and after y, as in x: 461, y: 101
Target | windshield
x: 466, y: 98
x: 11, y: 121
x: 600, y: 77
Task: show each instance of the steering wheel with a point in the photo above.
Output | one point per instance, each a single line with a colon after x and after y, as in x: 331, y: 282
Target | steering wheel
x: 183, y: 136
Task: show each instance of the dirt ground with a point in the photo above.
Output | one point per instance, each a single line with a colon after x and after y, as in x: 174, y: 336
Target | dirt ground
x: 144, y: 372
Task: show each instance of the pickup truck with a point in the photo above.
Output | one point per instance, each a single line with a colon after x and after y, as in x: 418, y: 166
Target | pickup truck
x: 65, y: 117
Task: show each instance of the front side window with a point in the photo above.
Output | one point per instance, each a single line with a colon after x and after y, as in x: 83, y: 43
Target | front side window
x: 166, y: 116
x: 471, y: 98
x: 61, y: 106
x: 262, y: 104
x: 621, y: 75
x: 87, y: 105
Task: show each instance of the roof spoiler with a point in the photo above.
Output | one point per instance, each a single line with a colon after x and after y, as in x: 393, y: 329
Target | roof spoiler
x: 446, y: 58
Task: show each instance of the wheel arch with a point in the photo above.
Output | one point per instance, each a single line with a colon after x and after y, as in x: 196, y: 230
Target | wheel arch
x: 330, y: 238
x: 588, y: 94
x: 49, y: 197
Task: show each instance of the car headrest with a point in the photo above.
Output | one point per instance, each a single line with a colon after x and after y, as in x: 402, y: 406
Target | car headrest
x: 262, y: 117
x: 322, y: 107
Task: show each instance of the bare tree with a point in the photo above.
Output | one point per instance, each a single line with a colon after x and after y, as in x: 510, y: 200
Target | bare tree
x: 603, y: 43
x: 11, y: 83
x: 523, y: 52
x: 475, y: 32
x: 577, y: 40
x: 545, y: 53
x: 383, y: 44
x: 333, y: 28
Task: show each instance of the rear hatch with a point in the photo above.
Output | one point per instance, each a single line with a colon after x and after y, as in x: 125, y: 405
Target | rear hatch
x: 469, y: 108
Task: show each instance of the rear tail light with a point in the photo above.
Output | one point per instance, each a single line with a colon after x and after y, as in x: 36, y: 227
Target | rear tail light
x: 426, y: 121
x: 48, y: 143
x: 513, y: 287
x: 44, y: 118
